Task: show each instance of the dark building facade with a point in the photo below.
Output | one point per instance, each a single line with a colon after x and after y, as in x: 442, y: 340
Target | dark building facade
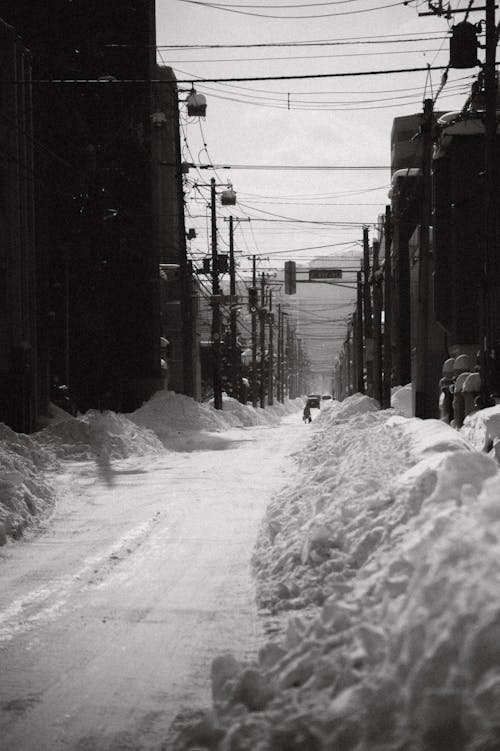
x: 18, y: 330
x: 98, y: 262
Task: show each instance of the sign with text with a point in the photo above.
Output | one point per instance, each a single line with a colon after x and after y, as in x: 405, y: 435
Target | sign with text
x: 325, y: 274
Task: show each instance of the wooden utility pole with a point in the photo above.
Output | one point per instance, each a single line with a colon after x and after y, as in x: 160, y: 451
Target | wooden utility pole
x: 270, y: 396
x: 235, y: 355
x: 387, y: 348
x: 377, y: 324
x: 423, y: 389
x: 280, y: 355
x: 262, y: 322
x: 491, y: 274
x: 254, y: 338
x: 367, y: 309
x: 216, y: 320
x: 360, y: 382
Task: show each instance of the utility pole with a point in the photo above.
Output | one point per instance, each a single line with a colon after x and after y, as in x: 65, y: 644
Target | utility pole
x: 367, y: 305
x: 348, y: 364
x: 360, y: 385
x: 423, y: 389
x: 270, y: 397
x: 377, y: 324
x: 262, y: 390
x: 254, y: 337
x: 286, y: 361
x: 216, y: 321
x: 279, y: 370
x: 235, y: 358
x: 490, y: 349
x: 387, y: 348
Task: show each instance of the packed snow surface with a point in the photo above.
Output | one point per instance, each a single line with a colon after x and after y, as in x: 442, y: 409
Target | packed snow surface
x: 377, y: 569
x: 29, y: 464
x: 385, y: 556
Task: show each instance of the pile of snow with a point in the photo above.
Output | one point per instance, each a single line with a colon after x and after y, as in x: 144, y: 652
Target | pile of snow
x: 26, y: 492
x: 482, y: 429
x: 402, y: 399
x: 387, y: 549
x: 184, y: 424
x: 103, y: 435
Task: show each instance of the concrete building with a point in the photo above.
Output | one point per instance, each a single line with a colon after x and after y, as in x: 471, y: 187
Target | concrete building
x: 98, y: 269
x: 19, y: 387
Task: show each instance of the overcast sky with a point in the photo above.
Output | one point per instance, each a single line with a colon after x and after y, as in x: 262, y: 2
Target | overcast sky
x: 331, y: 121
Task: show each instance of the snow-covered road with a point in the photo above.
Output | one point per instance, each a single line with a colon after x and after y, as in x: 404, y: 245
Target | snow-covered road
x: 109, y: 619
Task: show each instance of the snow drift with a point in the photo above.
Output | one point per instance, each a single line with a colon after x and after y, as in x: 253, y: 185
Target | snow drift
x: 385, y: 553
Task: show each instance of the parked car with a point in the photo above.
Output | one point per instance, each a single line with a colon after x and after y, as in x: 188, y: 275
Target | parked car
x: 325, y: 397
x: 314, y: 400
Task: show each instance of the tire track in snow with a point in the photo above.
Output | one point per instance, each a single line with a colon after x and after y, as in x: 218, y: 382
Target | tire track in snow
x: 45, y: 603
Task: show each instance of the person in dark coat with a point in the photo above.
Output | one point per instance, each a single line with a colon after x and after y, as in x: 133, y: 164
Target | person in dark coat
x: 306, y: 416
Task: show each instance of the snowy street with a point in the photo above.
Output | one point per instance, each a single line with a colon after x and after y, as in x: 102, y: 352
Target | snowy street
x: 110, y: 618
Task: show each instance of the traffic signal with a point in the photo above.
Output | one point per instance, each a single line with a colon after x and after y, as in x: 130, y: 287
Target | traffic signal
x: 253, y: 299
x: 463, y: 46
x: 290, y: 277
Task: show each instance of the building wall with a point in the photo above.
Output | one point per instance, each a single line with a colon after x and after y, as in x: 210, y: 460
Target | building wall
x: 18, y: 335
x: 98, y: 270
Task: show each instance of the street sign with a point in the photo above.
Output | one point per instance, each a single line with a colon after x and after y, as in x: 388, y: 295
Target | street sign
x: 325, y: 274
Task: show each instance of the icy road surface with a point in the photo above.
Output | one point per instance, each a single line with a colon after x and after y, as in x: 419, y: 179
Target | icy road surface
x: 109, y: 619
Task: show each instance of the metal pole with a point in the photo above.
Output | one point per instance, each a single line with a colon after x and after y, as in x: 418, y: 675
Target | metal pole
x: 216, y: 327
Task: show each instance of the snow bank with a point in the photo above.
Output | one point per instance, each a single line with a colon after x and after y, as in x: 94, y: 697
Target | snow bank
x: 388, y: 552
x: 181, y: 423
x: 402, y: 399
x: 482, y: 429
x: 106, y: 435
x: 26, y: 493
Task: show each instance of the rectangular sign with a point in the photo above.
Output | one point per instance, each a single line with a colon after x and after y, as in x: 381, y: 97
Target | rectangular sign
x: 325, y: 274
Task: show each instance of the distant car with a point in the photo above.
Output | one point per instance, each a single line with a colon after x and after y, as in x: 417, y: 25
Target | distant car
x: 325, y: 397
x: 314, y: 400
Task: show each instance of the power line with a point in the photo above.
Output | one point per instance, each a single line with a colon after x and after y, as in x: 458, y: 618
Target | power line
x: 293, y: 166
x: 349, y: 74
x: 377, y: 39
x: 213, y: 6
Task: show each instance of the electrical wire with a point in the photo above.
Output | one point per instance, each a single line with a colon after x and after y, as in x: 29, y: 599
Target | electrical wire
x: 214, y: 6
x: 376, y: 39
